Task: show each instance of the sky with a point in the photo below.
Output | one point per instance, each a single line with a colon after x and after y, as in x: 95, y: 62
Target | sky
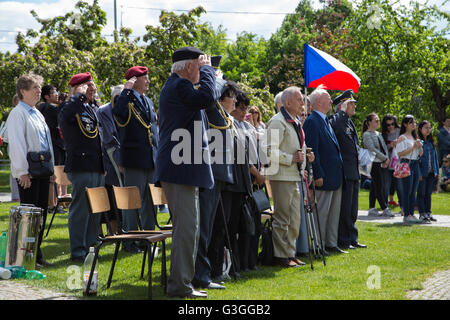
x: 249, y: 15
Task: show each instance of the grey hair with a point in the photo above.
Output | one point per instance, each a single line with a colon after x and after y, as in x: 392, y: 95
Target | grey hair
x: 313, y: 97
x: 180, y: 65
x: 278, y: 98
x: 115, y: 91
x: 288, y: 93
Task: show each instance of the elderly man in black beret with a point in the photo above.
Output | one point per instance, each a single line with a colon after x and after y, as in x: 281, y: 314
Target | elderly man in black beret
x: 183, y: 165
x: 347, y: 137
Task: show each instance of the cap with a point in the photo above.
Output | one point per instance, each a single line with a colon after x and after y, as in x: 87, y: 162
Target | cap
x: 186, y: 53
x: 80, y: 78
x: 215, y: 61
x: 347, y: 95
x: 136, y: 71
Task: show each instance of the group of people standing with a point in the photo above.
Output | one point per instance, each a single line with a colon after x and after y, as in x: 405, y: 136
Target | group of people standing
x: 409, y: 143
x: 209, y: 151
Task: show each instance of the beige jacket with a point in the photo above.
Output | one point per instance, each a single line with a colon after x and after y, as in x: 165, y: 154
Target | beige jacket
x: 280, y: 142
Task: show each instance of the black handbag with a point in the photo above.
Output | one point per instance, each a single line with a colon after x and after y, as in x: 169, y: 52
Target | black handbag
x: 40, y: 164
x: 261, y: 200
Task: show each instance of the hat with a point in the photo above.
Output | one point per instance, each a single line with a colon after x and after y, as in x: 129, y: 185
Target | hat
x: 80, y: 78
x: 215, y: 61
x: 186, y: 53
x: 136, y: 71
x: 347, y: 95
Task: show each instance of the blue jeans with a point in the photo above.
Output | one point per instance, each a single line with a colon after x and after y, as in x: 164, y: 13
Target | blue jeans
x: 391, y: 186
x: 408, y: 188
x: 424, y: 193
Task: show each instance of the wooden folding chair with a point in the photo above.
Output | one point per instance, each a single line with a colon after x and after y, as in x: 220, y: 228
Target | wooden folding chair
x: 158, y: 199
x: 268, y: 214
x: 61, y: 179
x: 98, y: 203
x: 129, y: 198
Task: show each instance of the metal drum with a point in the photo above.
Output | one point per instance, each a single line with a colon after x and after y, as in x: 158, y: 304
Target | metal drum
x: 25, y: 222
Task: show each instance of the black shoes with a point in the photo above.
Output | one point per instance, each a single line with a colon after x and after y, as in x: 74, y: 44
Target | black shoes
x: 359, y: 245
x: 131, y: 247
x: 40, y: 263
x: 335, y: 249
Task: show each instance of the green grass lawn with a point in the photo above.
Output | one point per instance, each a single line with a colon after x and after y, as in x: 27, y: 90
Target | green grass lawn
x: 403, y: 256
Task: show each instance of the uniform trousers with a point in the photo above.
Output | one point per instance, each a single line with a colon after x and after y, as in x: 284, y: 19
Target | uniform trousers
x: 37, y: 194
x: 348, y: 232
x: 286, y: 218
x: 83, y: 226
x: 328, y: 207
x: 139, y: 178
x: 184, y: 206
x: 209, y: 201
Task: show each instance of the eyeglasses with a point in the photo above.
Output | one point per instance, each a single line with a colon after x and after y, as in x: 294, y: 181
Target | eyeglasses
x: 390, y: 124
x: 253, y: 112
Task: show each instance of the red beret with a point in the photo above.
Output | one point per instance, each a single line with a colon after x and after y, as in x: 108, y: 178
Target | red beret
x: 136, y: 71
x: 80, y: 78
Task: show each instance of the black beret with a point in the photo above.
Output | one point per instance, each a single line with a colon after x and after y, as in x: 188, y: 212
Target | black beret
x: 215, y: 61
x: 186, y: 53
x: 347, y: 95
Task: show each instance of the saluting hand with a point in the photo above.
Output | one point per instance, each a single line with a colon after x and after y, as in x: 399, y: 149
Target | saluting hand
x: 82, y: 88
x: 130, y: 83
x: 204, y: 60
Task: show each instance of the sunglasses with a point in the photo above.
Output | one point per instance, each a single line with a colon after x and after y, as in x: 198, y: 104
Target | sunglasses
x: 390, y: 124
x: 253, y: 112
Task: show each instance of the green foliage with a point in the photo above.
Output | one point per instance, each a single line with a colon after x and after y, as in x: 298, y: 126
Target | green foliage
x: 403, y: 62
x: 261, y: 98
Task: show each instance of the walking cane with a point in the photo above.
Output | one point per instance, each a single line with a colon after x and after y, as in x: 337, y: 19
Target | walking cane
x: 308, y: 222
x: 314, y: 202
x: 233, y: 261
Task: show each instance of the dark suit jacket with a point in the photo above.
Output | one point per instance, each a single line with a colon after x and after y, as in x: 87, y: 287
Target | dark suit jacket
x: 328, y: 161
x: 83, y: 154
x: 180, y: 108
x: 110, y: 139
x: 347, y: 136
x: 222, y: 171
x: 50, y: 113
x: 135, y: 151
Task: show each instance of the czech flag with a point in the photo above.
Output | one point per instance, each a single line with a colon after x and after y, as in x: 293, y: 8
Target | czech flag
x: 323, y: 69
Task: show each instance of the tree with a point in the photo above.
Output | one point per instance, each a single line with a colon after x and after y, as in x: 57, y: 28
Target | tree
x: 402, y: 59
x: 322, y: 28
x: 82, y: 28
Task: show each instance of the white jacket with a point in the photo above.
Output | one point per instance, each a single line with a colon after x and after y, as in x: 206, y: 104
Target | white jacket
x: 22, y: 135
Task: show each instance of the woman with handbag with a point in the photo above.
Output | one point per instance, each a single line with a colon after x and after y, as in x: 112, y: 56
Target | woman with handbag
x: 429, y: 172
x: 374, y: 142
x: 30, y: 150
x: 390, y: 131
x: 409, y: 150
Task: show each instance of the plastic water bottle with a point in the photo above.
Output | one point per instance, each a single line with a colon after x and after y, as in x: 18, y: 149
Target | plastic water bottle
x: 34, y: 275
x: 3, y: 244
x: 87, y: 270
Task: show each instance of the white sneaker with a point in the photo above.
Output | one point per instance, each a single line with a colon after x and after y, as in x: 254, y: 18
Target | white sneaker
x: 374, y: 212
x: 411, y: 219
x: 388, y: 213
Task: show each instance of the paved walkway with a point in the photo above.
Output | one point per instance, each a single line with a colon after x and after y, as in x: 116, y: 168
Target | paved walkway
x: 435, y: 288
x: 442, y: 221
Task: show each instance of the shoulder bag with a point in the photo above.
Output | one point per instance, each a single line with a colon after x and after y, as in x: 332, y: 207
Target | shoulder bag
x: 40, y: 164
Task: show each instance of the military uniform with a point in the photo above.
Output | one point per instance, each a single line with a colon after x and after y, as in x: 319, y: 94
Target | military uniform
x: 347, y: 137
x: 219, y: 124
x: 138, y: 131
x: 84, y: 166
